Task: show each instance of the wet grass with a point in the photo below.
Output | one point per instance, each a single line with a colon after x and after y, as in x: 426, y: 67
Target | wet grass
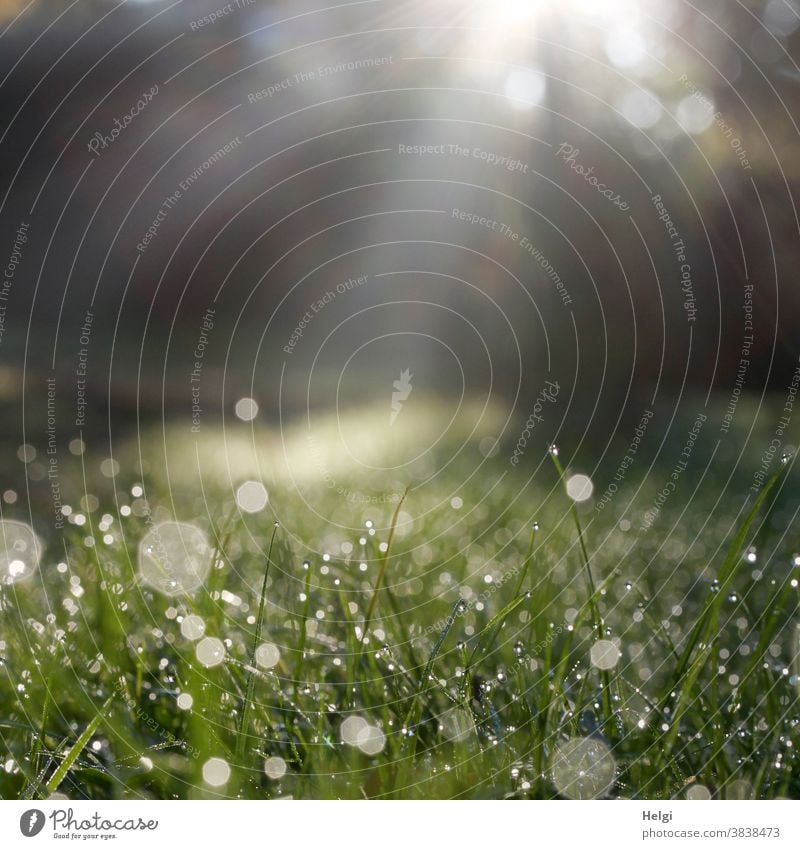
x: 510, y: 645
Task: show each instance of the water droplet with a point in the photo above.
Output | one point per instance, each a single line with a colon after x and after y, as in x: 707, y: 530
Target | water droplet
x: 554, y: 450
x: 210, y: 651
x: 267, y: 655
x: 20, y: 550
x: 698, y: 792
x: 193, y: 627
x: 216, y: 772
x: 251, y: 496
x: 174, y: 558
x: 275, y: 768
x: 351, y: 728
x: 246, y: 409
x: 580, y: 488
x: 583, y: 768
x: 604, y: 655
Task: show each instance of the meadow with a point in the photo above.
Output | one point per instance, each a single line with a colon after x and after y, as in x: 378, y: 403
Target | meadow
x: 470, y: 632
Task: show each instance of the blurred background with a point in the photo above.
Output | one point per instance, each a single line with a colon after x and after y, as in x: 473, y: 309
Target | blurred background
x: 293, y: 203
x: 348, y: 275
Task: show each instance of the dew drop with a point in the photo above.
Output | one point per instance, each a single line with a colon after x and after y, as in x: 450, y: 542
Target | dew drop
x: 174, y: 558
x: 20, y: 551
x: 216, y: 772
x: 583, y: 768
x: 275, y: 768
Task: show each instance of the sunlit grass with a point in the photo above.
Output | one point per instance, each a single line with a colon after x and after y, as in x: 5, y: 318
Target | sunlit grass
x: 504, y: 643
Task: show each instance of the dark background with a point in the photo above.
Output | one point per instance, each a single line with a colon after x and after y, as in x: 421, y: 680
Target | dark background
x: 320, y: 194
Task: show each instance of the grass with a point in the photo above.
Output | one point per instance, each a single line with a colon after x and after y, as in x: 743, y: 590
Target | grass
x: 517, y: 646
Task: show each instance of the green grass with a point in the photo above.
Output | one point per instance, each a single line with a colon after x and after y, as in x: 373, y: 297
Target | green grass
x: 460, y: 687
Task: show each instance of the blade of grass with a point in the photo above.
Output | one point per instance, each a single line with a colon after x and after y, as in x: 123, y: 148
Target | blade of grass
x: 382, y: 569
x: 597, y: 619
x: 301, y: 647
x: 80, y: 744
x: 584, y: 553
x: 374, y: 599
x: 423, y: 684
x: 523, y: 575
x: 707, y: 619
x: 32, y: 788
x: 528, y: 557
x: 494, y: 625
x: 702, y: 635
x: 247, y: 706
